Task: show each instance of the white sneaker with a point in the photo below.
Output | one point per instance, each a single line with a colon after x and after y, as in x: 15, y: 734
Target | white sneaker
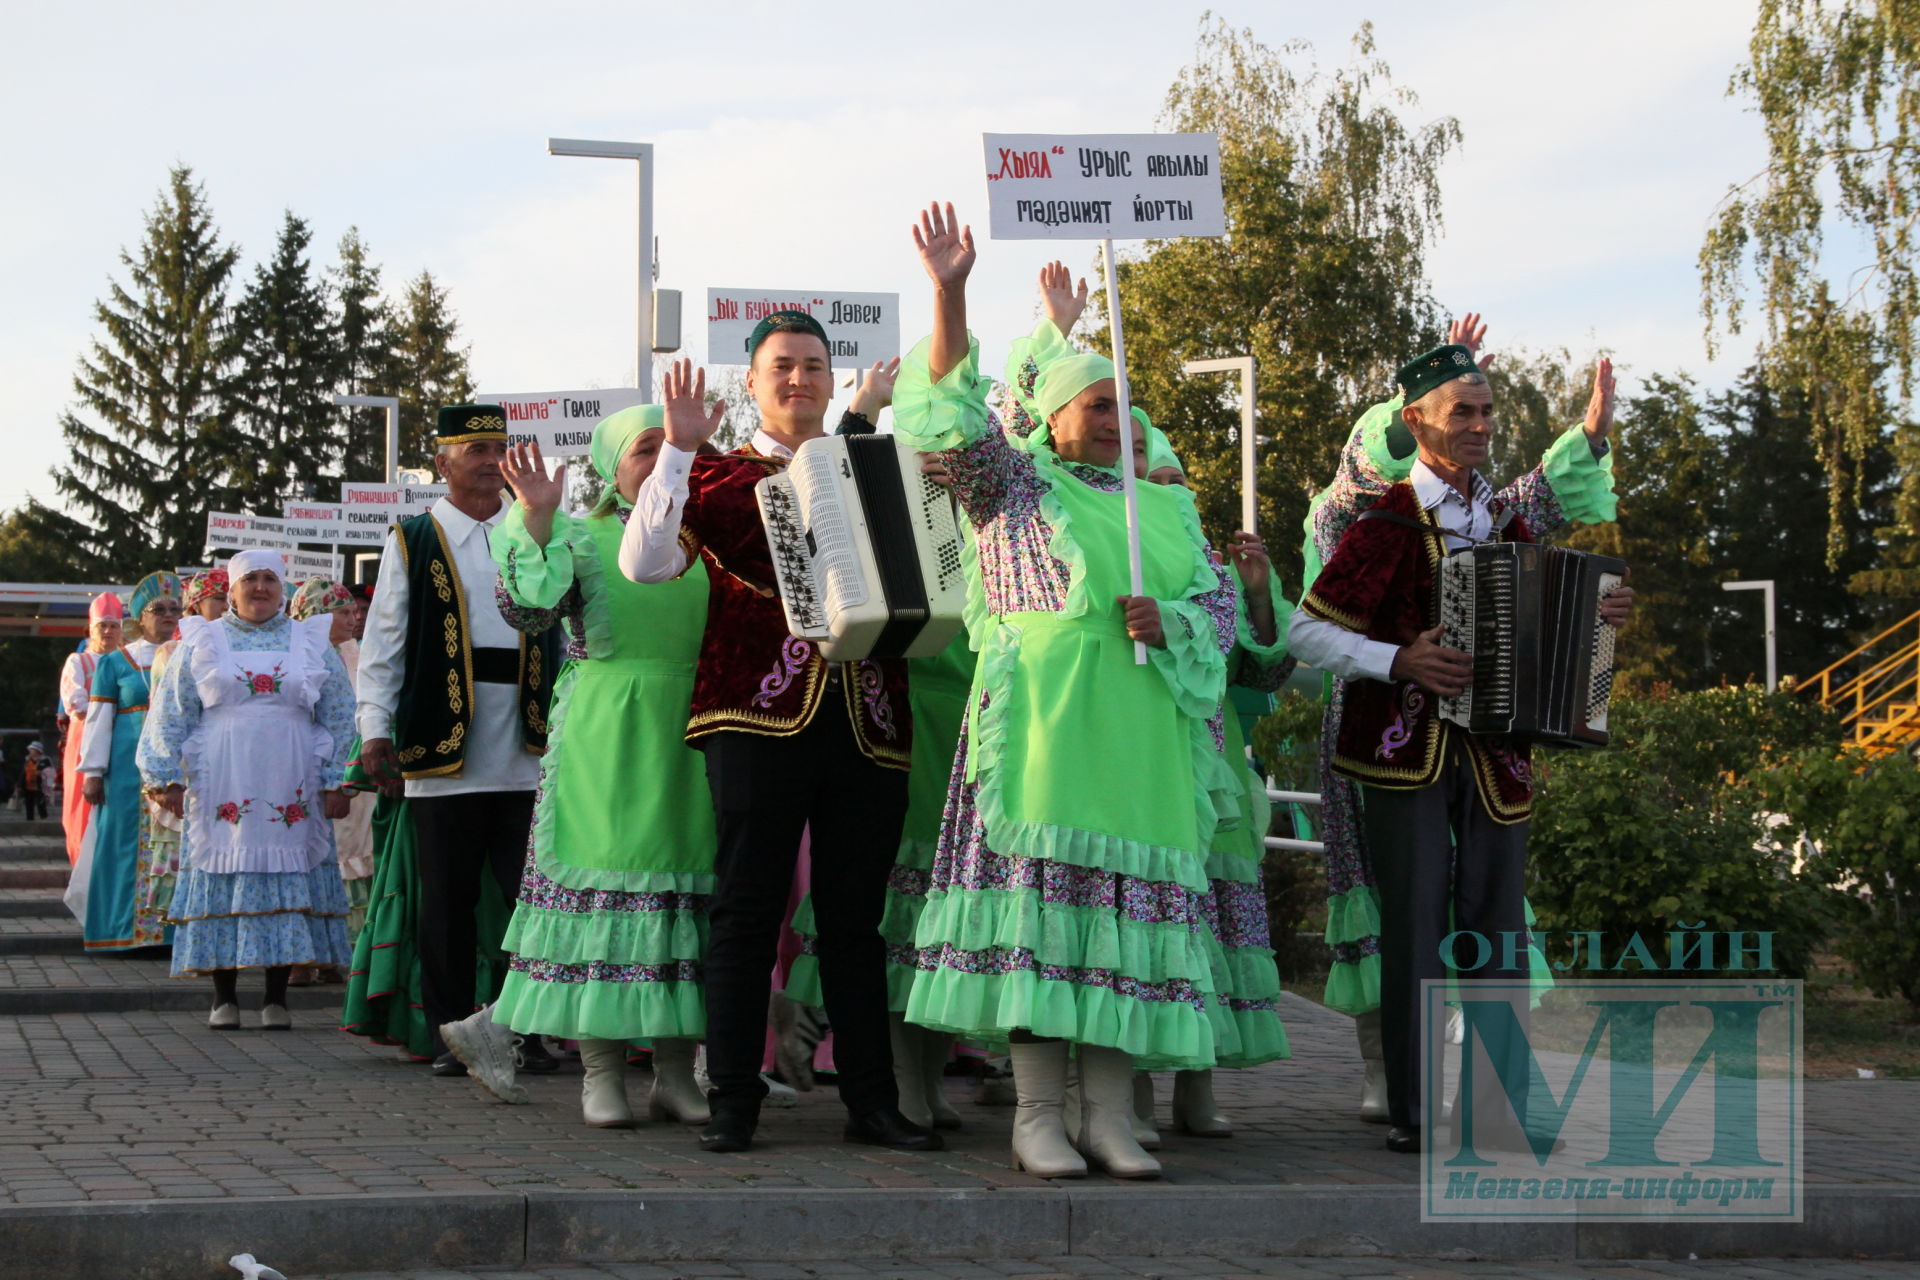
x: 225, y: 1017
x: 485, y: 1048
x: 274, y: 1017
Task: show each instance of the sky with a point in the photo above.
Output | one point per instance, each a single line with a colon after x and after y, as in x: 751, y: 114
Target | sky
x: 794, y: 145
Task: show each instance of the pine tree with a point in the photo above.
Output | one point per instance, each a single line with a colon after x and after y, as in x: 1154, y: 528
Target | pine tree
x: 290, y: 363
x: 149, y: 445
x: 428, y: 368
x: 366, y: 340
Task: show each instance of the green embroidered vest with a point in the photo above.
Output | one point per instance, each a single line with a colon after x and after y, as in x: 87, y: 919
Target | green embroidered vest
x: 435, y: 714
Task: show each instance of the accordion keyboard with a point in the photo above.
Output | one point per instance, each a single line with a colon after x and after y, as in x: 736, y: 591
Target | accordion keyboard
x: 1600, y: 682
x: 792, y: 565
x: 936, y: 506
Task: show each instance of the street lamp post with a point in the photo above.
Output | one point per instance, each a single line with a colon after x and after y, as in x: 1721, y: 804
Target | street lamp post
x: 392, y: 405
x: 642, y: 152
x: 1249, y: 465
x: 1763, y: 585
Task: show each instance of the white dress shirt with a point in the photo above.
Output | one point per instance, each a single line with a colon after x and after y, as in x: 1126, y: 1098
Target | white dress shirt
x: 1350, y: 655
x: 495, y: 760
x: 96, y: 741
x: 650, y: 550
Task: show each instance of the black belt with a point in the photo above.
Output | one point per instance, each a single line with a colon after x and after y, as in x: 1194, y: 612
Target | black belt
x: 496, y: 666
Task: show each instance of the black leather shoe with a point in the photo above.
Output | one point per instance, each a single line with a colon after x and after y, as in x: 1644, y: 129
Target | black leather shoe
x: 448, y: 1065
x: 530, y: 1055
x: 886, y: 1127
x: 1404, y: 1141
x: 729, y: 1130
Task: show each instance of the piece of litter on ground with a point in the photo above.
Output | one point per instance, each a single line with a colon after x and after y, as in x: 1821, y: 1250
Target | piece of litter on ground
x: 251, y: 1270
x: 1867, y: 1073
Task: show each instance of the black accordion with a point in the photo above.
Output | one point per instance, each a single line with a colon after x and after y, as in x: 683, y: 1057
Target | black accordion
x: 1529, y: 617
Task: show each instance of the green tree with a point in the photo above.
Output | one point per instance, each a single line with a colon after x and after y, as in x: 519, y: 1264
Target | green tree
x: 366, y: 343
x: 1837, y: 85
x: 149, y: 445
x: 291, y: 360
x: 1331, y: 197
x: 427, y: 366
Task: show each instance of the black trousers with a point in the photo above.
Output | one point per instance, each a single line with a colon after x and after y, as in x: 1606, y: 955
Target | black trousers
x: 765, y: 792
x: 31, y: 803
x: 1442, y: 864
x: 461, y: 838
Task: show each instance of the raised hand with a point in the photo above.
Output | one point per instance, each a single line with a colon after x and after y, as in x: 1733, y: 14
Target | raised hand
x: 1600, y: 403
x: 1470, y: 331
x: 1433, y: 666
x: 946, y: 247
x: 876, y: 389
x: 689, y: 423
x: 1063, y: 303
x: 526, y: 471
x: 1249, y: 556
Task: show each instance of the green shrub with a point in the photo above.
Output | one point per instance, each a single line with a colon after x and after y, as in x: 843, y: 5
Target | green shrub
x: 1664, y: 830
x: 1864, y: 821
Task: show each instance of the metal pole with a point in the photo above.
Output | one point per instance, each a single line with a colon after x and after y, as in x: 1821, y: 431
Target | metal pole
x: 1249, y: 473
x: 393, y: 442
x: 1765, y: 587
x: 1128, y: 484
x: 643, y: 363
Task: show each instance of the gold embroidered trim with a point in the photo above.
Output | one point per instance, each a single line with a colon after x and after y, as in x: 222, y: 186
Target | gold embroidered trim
x: 1319, y: 608
x: 455, y: 702
x: 438, y: 572
x: 451, y: 743
x: 1487, y: 782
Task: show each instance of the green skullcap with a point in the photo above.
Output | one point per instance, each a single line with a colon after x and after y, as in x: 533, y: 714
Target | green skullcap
x: 614, y: 434
x: 1063, y: 379
x: 1439, y: 366
x: 786, y: 322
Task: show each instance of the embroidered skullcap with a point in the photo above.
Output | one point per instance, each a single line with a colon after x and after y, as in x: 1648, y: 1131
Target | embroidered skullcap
x: 459, y: 423
x: 161, y: 584
x: 211, y: 585
x: 786, y: 322
x: 614, y: 434
x: 317, y: 596
x: 253, y: 561
x: 1439, y: 366
x: 106, y: 607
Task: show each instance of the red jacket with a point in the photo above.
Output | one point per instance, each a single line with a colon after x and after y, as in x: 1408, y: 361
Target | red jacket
x: 1380, y: 583
x: 754, y: 675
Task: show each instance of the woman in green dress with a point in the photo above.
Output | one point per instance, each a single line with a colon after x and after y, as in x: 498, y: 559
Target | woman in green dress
x: 1065, y: 907
x: 610, y: 932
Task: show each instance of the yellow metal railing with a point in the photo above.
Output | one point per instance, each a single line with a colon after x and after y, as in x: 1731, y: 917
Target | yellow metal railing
x: 1880, y: 700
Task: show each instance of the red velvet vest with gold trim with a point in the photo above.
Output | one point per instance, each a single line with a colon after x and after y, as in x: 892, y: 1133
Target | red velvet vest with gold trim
x: 1380, y: 583
x: 754, y: 675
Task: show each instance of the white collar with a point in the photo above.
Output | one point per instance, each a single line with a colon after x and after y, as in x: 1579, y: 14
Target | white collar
x: 459, y: 525
x: 1431, y: 490
x: 768, y: 447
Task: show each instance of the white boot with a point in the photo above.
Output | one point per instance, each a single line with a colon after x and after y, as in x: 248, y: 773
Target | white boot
x: 1040, y: 1143
x: 1194, y: 1109
x: 1106, y: 1105
x: 675, y: 1096
x: 1144, y: 1131
x: 909, y: 1078
x: 1373, y: 1100
x: 603, y: 1093
x: 935, y: 1048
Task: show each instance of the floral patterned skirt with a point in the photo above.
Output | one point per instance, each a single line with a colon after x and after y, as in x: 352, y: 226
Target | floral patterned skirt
x: 259, y: 919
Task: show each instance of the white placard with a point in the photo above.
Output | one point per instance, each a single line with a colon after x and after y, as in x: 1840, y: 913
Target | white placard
x: 562, y: 421
x: 311, y: 522
x: 1096, y: 186
x: 861, y: 327
x: 365, y: 512
x: 235, y: 532
x: 312, y: 564
x: 415, y: 498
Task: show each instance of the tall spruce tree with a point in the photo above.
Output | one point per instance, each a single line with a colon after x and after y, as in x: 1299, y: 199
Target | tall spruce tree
x: 366, y: 341
x: 150, y: 448
x: 428, y: 366
x: 290, y: 362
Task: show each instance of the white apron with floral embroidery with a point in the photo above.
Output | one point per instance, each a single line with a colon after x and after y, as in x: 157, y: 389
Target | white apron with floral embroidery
x: 253, y: 764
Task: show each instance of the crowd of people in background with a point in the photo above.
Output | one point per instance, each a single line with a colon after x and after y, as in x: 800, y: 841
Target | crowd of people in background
x: 567, y: 777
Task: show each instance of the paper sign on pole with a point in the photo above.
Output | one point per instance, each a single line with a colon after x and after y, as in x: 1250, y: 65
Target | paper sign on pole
x: 365, y: 512
x: 415, y: 498
x: 861, y: 327
x: 311, y: 521
x: 235, y: 532
x: 1097, y: 186
x: 312, y: 564
x: 561, y: 421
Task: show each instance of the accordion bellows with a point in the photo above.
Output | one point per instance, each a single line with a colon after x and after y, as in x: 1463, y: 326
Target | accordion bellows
x: 1529, y: 617
x: 866, y: 549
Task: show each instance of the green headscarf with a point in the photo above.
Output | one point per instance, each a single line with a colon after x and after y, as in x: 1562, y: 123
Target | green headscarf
x: 158, y: 585
x: 615, y: 434
x: 1063, y: 379
x: 1159, y: 449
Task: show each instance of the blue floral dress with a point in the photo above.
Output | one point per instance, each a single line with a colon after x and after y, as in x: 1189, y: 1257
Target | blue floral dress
x: 255, y: 720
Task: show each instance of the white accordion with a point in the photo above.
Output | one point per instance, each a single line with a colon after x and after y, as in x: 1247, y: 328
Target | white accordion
x: 866, y: 549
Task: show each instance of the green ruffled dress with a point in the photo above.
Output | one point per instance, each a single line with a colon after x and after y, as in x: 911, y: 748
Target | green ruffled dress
x: 610, y: 933
x: 1066, y: 896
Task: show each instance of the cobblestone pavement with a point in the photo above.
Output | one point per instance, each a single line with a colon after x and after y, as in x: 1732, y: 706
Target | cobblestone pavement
x: 1080, y: 1267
